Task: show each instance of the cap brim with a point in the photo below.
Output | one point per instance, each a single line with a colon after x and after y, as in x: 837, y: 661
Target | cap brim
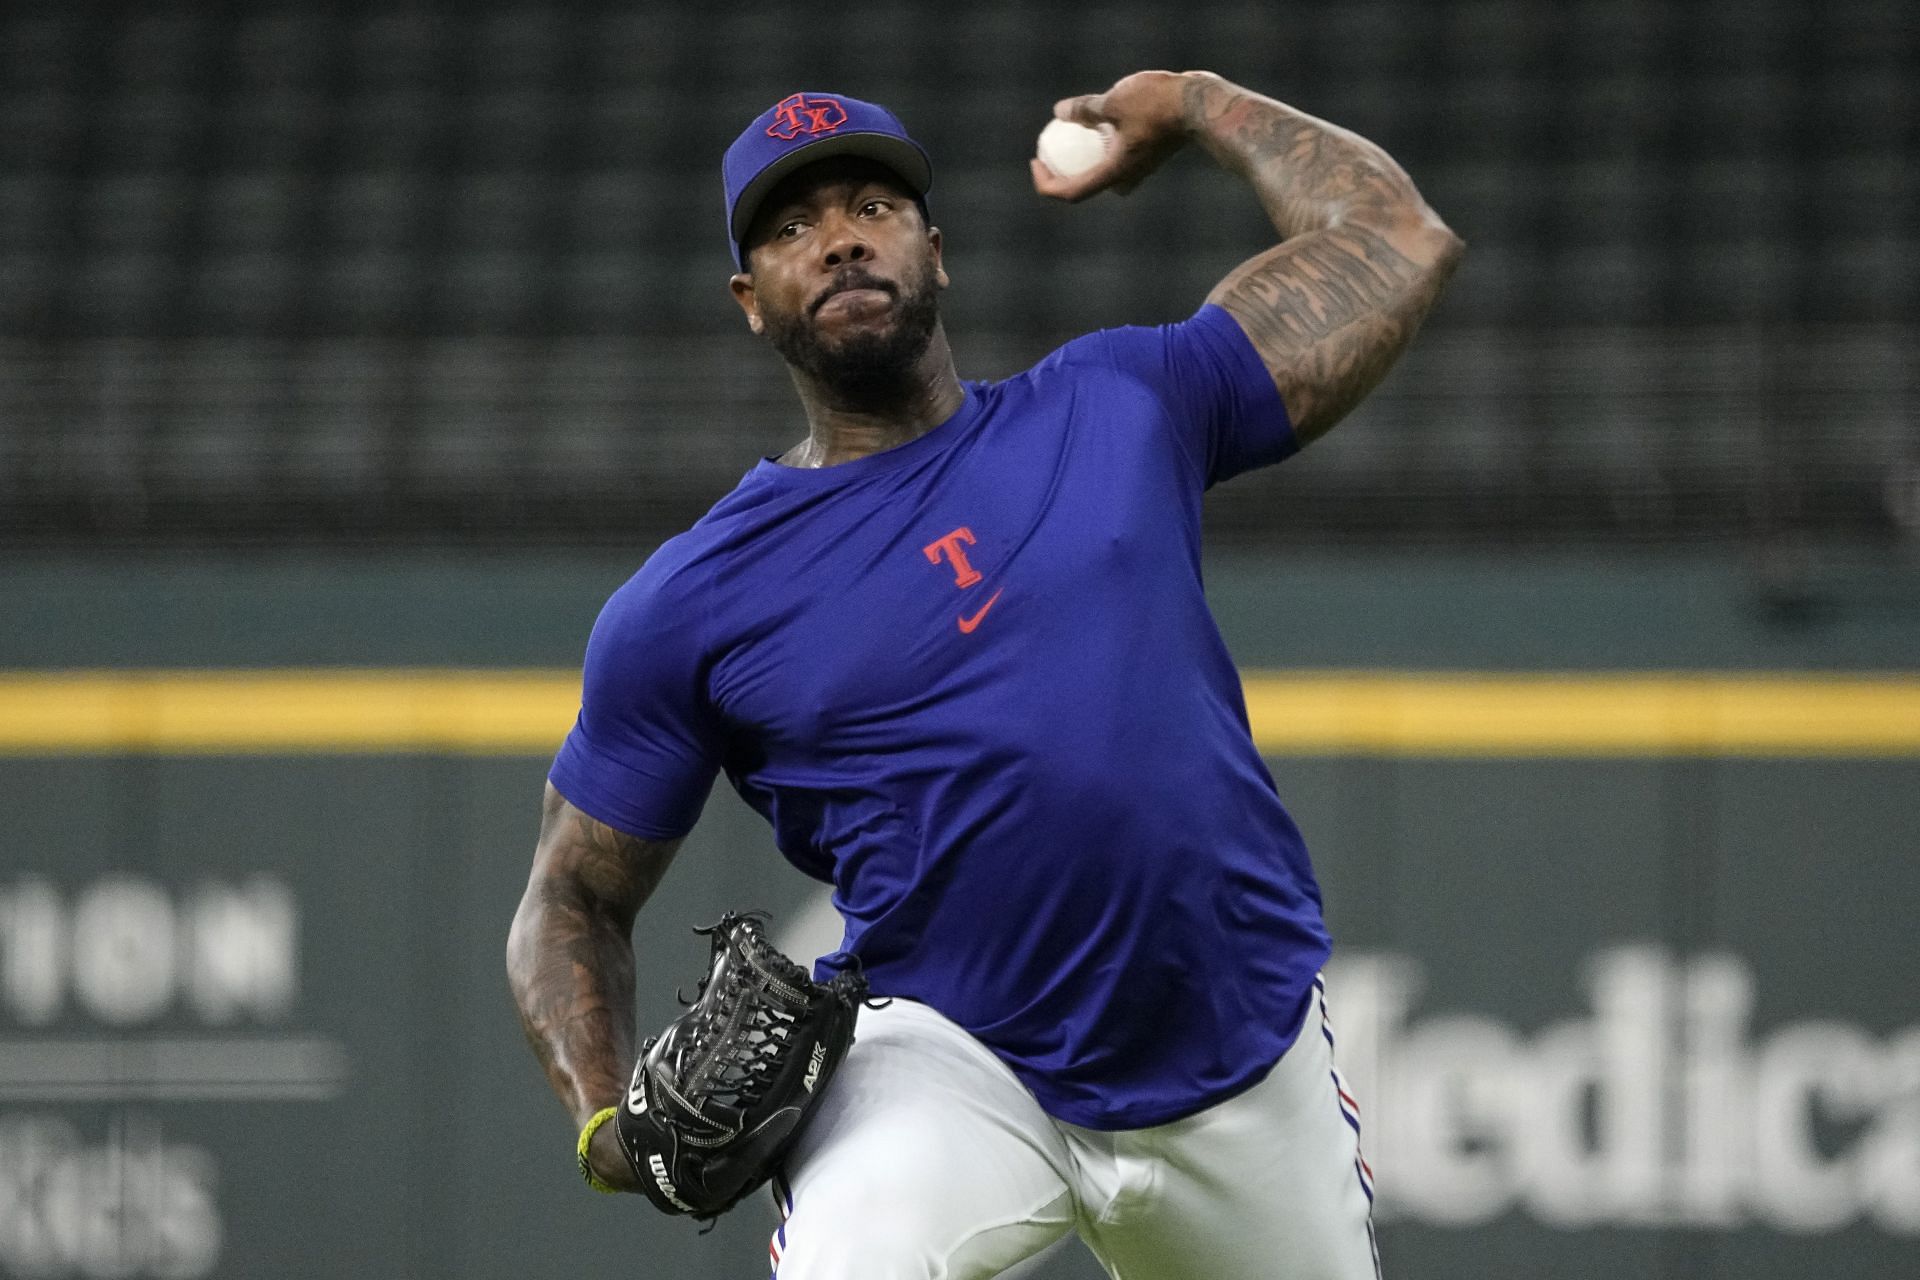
x: 899, y: 155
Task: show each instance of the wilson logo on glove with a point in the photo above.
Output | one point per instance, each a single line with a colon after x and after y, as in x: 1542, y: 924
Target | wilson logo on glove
x: 665, y: 1183
x: 719, y: 1096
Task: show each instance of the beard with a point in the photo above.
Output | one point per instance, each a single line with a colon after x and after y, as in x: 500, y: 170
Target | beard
x: 868, y: 367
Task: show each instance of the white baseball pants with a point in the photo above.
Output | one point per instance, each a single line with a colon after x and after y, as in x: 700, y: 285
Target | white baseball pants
x: 929, y: 1160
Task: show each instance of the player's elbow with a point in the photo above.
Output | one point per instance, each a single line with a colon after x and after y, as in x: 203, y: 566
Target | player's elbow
x: 518, y: 933
x: 524, y: 937
x: 1419, y: 235
x: 1447, y: 246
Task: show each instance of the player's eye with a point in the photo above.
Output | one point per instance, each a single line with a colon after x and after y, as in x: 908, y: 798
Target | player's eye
x: 873, y: 208
x: 788, y: 230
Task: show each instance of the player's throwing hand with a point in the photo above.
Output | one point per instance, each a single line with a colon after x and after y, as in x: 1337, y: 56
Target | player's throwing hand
x: 1146, y: 114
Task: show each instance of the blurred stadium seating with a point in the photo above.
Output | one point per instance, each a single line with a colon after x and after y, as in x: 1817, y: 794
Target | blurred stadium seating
x: 302, y: 272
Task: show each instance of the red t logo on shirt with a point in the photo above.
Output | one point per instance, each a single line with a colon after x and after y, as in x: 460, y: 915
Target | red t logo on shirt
x: 948, y: 548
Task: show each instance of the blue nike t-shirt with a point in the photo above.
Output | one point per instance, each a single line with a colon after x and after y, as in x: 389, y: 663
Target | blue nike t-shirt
x: 973, y: 683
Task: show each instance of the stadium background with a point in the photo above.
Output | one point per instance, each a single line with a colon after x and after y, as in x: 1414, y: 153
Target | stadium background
x: 350, y: 355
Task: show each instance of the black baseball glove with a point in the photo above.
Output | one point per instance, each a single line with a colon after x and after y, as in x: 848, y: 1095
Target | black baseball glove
x: 720, y: 1095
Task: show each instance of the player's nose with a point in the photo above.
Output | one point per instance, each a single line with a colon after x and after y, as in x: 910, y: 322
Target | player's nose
x: 843, y: 243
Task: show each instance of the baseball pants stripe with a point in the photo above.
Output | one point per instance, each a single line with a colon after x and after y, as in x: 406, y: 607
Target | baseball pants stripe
x: 1350, y: 1111
x: 928, y: 1160
x: 783, y: 1201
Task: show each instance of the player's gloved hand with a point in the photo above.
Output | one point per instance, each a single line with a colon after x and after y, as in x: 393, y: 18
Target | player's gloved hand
x: 1147, y: 111
x: 720, y: 1095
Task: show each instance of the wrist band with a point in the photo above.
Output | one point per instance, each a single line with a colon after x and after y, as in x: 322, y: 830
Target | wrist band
x: 594, y: 1180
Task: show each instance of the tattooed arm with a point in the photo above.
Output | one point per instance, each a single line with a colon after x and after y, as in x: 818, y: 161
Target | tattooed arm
x: 1361, y: 258
x: 570, y: 962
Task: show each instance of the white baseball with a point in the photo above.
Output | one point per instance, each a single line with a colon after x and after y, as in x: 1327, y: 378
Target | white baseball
x: 1068, y: 148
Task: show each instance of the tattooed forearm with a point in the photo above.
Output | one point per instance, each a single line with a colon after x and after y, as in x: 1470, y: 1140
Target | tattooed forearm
x: 1308, y: 173
x: 1362, y: 257
x: 570, y: 952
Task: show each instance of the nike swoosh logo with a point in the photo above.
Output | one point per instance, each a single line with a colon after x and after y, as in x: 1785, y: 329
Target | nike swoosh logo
x: 968, y: 624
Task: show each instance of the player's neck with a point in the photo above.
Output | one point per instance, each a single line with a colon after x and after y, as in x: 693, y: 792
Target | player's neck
x: 846, y: 423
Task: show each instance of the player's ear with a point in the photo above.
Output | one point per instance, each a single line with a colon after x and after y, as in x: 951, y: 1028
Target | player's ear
x: 939, y: 271
x: 742, y: 286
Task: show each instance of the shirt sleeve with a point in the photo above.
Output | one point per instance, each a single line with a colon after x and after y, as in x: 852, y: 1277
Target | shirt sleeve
x: 1215, y: 390
x: 643, y: 754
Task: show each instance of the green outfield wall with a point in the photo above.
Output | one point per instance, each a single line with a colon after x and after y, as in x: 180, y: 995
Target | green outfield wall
x: 1623, y: 856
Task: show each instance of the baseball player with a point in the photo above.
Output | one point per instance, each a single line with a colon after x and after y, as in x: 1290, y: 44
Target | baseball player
x: 953, y: 645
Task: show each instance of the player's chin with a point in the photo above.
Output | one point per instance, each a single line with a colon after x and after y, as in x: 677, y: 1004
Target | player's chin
x: 842, y: 333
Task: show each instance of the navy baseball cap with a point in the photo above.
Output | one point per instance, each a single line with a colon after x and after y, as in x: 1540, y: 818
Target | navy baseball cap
x: 802, y: 128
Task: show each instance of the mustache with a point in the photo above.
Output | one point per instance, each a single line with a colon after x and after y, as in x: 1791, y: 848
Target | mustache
x: 852, y: 278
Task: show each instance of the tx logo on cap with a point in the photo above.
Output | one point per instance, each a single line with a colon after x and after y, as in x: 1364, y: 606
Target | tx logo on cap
x: 801, y: 114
